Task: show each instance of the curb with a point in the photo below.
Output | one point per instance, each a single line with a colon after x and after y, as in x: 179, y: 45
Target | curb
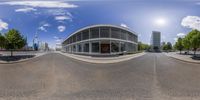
x: 103, y: 61
x: 183, y: 60
x: 13, y: 62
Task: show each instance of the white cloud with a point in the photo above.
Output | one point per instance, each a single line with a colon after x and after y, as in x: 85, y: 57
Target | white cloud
x: 61, y: 28
x: 28, y: 9
x: 3, y: 25
x: 192, y: 22
x: 43, y: 4
x: 181, y: 35
x: 61, y: 18
x: 43, y: 27
x: 124, y: 25
x: 46, y: 25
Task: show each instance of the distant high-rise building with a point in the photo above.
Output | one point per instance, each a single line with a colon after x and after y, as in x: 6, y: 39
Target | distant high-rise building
x: 155, y: 41
x: 43, y: 46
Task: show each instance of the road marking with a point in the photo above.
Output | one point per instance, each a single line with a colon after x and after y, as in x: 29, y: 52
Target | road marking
x: 157, y: 95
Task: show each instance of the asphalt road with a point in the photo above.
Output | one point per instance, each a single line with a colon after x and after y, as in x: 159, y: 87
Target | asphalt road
x: 57, y: 77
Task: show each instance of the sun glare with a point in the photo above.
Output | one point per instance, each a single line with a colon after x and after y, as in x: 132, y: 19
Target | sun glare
x: 160, y: 21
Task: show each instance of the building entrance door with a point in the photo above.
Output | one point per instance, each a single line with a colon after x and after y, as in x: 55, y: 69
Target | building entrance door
x: 105, y: 48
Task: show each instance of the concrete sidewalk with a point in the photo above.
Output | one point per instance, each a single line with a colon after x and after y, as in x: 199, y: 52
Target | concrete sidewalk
x: 103, y: 60
x: 186, y: 58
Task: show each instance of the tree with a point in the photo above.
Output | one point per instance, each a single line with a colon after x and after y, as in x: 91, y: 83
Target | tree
x: 195, y: 42
x: 139, y: 46
x: 14, y: 40
x: 193, y: 38
x: 169, y: 46
x: 142, y: 46
x: 179, y: 45
x: 186, y: 43
x: 2, y: 41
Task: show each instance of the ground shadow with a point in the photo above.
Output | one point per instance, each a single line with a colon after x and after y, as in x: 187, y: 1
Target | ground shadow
x: 196, y: 57
x: 15, y: 58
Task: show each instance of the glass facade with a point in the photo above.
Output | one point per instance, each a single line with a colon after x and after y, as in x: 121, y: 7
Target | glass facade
x: 86, y: 47
x: 79, y: 47
x: 115, y: 33
x: 114, y: 46
x: 85, y: 34
x: 102, y: 40
x: 94, y: 33
x: 95, y: 47
x: 104, y: 32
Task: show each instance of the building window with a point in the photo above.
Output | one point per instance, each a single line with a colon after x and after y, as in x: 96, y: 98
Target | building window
x: 79, y: 47
x: 95, y: 47
x: 130, y: 47
x: 94, y: 33
x: 104, y: 32
x: 130, y: 37
x: 86, y: 47
x: 114, y: 46
x: 70, y: 40
x: 123, y: 47
x: 115, y: 33
x: 79, y: 36
x: 123, y: 35
x: 74, y: 48
x: 85, y: 34
x: 74, y: 38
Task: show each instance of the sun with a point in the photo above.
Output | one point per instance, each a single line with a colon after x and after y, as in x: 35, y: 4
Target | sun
x: 160, y: 21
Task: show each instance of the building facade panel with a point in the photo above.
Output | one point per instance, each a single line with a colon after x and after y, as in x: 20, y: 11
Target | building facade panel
x: 101, y: 40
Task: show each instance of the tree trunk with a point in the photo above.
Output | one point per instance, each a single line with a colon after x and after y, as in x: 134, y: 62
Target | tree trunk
x: 180, y: 51
x: 11, y: 53
x: 188, y: 51
x: 195, y: 52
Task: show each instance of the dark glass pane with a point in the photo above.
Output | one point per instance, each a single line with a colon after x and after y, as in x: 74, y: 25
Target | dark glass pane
x: 86, y: 47
x: 95, y: 47
x: 85, y: 34
x: 123, y: 35
x: 74, y: 38
x: 123, y: 47
x: 130, y: 36
x: 79, y: 47
x: 130, y: 47
x: 114, y: 46
x: 115, y: 33
x: 104, y: 32
x: 94, y: 33
x: 70, y: 40
x: 78, y: 36
x: 74, y: 48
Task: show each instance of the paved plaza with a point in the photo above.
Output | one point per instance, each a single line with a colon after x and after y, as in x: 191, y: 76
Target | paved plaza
x: 153, y: 76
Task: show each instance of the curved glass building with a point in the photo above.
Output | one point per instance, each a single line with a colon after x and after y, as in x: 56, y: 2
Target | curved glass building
x: 101, y: 40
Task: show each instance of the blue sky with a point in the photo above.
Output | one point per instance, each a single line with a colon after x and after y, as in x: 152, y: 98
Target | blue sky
x: 54, y: 20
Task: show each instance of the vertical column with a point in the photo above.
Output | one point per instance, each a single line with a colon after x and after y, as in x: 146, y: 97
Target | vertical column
x: 90, y: 48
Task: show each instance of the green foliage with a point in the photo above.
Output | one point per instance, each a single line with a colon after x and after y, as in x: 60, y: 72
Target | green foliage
x: 142, y: 46
x: 179, y: 44
x: 186, y: 43
x: 195, y: 40
x: 191, y: 41
x: 167, y: 46
x: 14, y: 40
x: 2, y: 41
